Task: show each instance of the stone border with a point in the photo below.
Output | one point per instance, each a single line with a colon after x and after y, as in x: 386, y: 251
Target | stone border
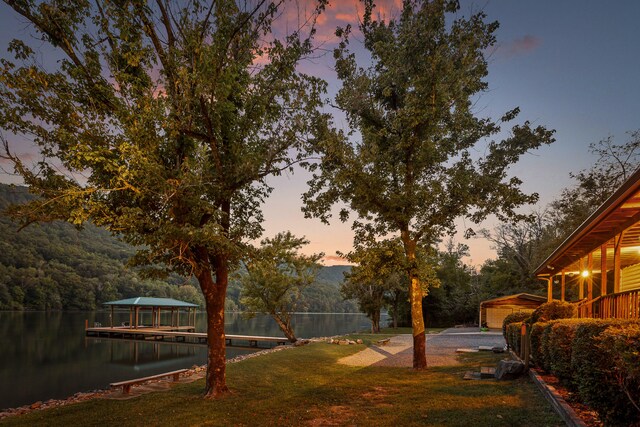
x: 558, y: 403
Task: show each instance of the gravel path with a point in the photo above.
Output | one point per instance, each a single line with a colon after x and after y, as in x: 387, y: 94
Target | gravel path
x: 441, y: 348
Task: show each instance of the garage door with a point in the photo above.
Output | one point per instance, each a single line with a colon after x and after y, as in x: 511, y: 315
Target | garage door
x: 495, y: 316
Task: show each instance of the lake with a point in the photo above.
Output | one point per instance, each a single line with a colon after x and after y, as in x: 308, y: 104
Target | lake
x: 47, y: 356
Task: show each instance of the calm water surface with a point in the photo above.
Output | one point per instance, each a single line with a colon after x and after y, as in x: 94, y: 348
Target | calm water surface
x: 46, y: 355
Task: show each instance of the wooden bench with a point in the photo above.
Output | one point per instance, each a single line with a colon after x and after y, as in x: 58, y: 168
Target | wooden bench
x: 126, y: 385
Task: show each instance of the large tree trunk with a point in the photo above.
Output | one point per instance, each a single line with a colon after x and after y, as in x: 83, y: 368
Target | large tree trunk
x: 214, y: 295
x: 415, y: 298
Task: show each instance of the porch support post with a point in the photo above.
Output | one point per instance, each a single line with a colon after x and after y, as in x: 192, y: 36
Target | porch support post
x: 590, y: 276
x: 111, y: 318
x: 616, y: 263
x: 603, y: 269
x: 581, y: 280
x: 550, y: 289
x: 562, y: 286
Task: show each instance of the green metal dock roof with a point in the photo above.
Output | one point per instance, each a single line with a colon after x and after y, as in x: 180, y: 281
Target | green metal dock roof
x: 151, y: 302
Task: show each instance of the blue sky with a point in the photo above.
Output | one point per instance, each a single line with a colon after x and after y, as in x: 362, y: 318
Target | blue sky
x: 572, y: 66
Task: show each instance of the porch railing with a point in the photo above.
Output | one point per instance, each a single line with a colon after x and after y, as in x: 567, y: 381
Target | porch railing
x: 624, y: 305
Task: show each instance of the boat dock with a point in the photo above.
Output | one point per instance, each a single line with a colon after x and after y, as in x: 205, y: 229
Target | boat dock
x: 179, y: 334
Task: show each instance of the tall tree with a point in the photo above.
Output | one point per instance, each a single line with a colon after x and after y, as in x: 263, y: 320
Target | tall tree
x: 417, y: 167
x: 523, y: 246
x: 160, y: 121
x: 274, y: 277
x: 614, y: 164
x: 455, y: 301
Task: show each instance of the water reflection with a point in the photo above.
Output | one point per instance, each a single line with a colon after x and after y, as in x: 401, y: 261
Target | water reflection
x: 46, y: 355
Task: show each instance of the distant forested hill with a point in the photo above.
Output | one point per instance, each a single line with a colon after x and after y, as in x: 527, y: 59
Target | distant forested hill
x: 54, y: 266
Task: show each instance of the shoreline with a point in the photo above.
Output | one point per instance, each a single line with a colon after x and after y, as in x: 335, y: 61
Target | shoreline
x: 193, y: 374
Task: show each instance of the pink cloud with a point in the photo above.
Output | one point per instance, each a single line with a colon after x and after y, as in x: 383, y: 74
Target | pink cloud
x: 519, y: 46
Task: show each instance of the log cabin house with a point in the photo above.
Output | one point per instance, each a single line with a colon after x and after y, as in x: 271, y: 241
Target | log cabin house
x: 599, y: 263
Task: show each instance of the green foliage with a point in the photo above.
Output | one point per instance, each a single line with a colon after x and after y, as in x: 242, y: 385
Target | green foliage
x: 55, y: 266
x: 622, y: 343
x: 162, y: 123
x: 457, y: 298
x: 274, y: 277
x: 521, y: 248
x: 378, y: 279
x: 598, y: 358
x: 596, y: 370
x: 514, y: 336
x: 560, y: 347
x: 545, y: 361
x: 518, y: 316
x: 553, y: 310
x: 415, y: 168
x: 537, y: 354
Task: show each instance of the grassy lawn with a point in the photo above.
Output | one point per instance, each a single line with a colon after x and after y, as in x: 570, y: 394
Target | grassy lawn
x: 305, y: 386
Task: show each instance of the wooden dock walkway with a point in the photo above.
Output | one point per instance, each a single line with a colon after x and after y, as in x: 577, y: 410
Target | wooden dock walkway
x: 182, y: 334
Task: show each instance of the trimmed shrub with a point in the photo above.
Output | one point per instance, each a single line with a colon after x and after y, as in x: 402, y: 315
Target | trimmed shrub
x: 559, y: 349
x: 518, y: 316
x: 545, y: 356
x: 553, y: 310
x: 513, y: 336
x: 598, y: 358
x: 536, y: 343
x: 622, y: 343
x: 594, y: 372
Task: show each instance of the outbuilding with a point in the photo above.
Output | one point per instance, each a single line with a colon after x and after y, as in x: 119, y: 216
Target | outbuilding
x: 155, y: 306
x: 493, y: 311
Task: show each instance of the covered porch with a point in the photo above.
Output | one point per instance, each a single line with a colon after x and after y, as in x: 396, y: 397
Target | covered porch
x: 598, y: 265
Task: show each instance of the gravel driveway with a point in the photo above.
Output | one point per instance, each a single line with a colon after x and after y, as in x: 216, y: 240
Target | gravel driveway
x: 441, y: 348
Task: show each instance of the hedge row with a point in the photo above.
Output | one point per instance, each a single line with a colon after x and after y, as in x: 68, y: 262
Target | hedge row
x: 513, y: 336
x: 600, y: 359
x: 518, y: 316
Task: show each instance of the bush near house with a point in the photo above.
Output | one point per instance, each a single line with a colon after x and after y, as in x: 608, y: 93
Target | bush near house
x: 559, y: 348
x: 537, y: 330
x: 551, y: 311
x: 514, y: 336
x: 518, y: 316
x: 600, y: 359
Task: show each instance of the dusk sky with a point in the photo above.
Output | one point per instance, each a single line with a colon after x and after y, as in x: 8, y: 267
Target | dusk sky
x: 572, y: 66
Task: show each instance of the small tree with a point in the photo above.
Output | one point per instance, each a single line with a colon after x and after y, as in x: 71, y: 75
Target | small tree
x: 376, y: 280
x: 370, y: 297
x: 274, y: 277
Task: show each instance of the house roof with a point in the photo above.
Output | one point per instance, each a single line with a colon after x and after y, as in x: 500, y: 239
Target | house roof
x: 151, y: 302
x: 619, y: 212
x: 522, y: 295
